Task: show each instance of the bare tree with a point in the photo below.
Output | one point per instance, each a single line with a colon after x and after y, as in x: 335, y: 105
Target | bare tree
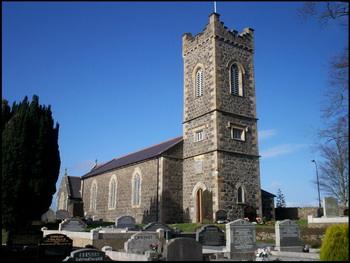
x: 332, y: 139
x: 326, y: 11
x: 334, y: 170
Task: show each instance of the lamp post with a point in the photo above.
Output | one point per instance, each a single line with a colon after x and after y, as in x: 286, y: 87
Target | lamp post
x: 318, y: 184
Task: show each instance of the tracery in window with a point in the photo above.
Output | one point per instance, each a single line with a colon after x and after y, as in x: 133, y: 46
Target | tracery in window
x: 236, y: 80
x: 112, y: 192
x: 136, y: 188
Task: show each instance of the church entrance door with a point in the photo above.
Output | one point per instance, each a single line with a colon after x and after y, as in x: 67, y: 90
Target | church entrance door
x: 199, y: 205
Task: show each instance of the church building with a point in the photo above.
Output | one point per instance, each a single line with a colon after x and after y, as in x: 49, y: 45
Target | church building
x: 214, y: 165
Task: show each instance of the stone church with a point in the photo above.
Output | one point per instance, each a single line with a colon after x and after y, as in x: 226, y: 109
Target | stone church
x: 214, y: 165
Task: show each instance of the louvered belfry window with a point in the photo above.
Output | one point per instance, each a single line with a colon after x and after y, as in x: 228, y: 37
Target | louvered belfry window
x: 199, y: 83
x: 234, y: 80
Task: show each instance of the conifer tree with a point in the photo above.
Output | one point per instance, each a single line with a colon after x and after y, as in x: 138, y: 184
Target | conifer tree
x: 30, y: 161
x: 280, y: 202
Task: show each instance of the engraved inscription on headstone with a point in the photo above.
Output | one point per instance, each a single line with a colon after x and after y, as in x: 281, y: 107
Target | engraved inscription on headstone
x: 211, y: 236
x: 140, y: 242
x: 87, y: 254
x: 287, y: 236
x: 23, y: 237
x: 55, y: 247
x: 241, y: 236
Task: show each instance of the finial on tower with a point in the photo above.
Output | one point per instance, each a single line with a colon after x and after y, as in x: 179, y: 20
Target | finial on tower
x: 214, y: 6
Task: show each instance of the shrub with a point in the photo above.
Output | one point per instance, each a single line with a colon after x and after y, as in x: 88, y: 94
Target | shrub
x: 335, y: 245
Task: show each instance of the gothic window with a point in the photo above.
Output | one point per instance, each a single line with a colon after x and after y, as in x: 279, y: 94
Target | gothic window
x: 112, y: 192
x: 240, y: 195
x: 236, y: 80
x: 199, y: 83
x: 93, y: 196
x: 136, y: 189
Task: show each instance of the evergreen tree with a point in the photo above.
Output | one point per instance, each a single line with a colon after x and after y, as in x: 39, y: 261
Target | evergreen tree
x: 30, y: 161
x: 280, y: 202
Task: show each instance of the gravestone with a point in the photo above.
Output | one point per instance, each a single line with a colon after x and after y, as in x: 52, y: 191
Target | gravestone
x: 153, y: 226
x: 250, y: 212
x: 49, y: 216
x: 125, y: 222
x: 140, y: 242
x: 220, y: 216
x: 240, y: 240
x: 207, y: 207
x: 62, y: 214
x: 23, y: 237
x: 87, y: 254
x: 288, y: 236
x: 211, y: 236
x: 183, y: 249
x: 72, y: 224
x: 54, y: 247
x: 330, y: 207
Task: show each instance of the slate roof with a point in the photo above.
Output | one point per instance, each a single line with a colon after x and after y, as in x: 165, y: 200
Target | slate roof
x: 74, y: 186
x: 141, y: 155
x: 266, y: 194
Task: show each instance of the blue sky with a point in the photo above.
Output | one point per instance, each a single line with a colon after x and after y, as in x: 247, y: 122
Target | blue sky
x: 113, y: 75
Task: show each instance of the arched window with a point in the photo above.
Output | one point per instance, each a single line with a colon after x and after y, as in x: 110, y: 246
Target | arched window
x: 240, y: 195
x: 112, y: 192
x: 93, y: 196
x: 136, y: 189
x: 199, y: 82
x: 236, y: 80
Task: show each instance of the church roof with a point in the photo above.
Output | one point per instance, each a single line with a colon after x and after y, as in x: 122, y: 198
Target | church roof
x: 74, y: 186
x: 141, y: 155
x: 266, y: 194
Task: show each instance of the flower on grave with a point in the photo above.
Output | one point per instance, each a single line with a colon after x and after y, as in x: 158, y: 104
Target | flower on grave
x: 262, y: 253
x: 153, y: 247
x: 246, y: 219
x: 258, y: 220
x: 270, y: 223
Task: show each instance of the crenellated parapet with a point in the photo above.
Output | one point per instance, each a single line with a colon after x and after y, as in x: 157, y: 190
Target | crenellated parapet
x: 215, y: 29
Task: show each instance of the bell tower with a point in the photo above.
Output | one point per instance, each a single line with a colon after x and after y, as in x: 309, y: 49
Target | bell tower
x: 221, y: 157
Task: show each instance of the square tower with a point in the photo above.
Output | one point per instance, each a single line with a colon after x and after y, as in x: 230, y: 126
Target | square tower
x: 221, y: 157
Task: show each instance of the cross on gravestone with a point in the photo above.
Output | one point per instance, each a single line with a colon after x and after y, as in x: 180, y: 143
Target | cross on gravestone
x: 211, y: 236
x: 240, y: 239
x: 207, y: 207
x: 220, y: 216
x: 288, y: 236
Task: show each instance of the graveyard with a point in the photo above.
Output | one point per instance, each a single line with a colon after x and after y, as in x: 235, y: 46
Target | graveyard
x: 58, y: 237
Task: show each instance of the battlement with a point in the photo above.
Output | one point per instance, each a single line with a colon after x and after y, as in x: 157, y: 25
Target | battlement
x: 216, y: 29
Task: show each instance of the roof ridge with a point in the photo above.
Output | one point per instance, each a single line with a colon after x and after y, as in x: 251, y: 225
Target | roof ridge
x: 147, y: 148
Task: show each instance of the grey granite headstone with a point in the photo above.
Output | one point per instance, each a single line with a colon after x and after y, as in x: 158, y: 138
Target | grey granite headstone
x: 140, y: 242
x: 62, y: 214
x: 183, y: 249
x: 240, y: 240
x: 153, y: 226
x: 125, y: 222
x: 330, y: 207
x: 288, y: 236
x: 49, y: 216
x: 207, y: 207
x: 72, y: 224
x: 211, y: 236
